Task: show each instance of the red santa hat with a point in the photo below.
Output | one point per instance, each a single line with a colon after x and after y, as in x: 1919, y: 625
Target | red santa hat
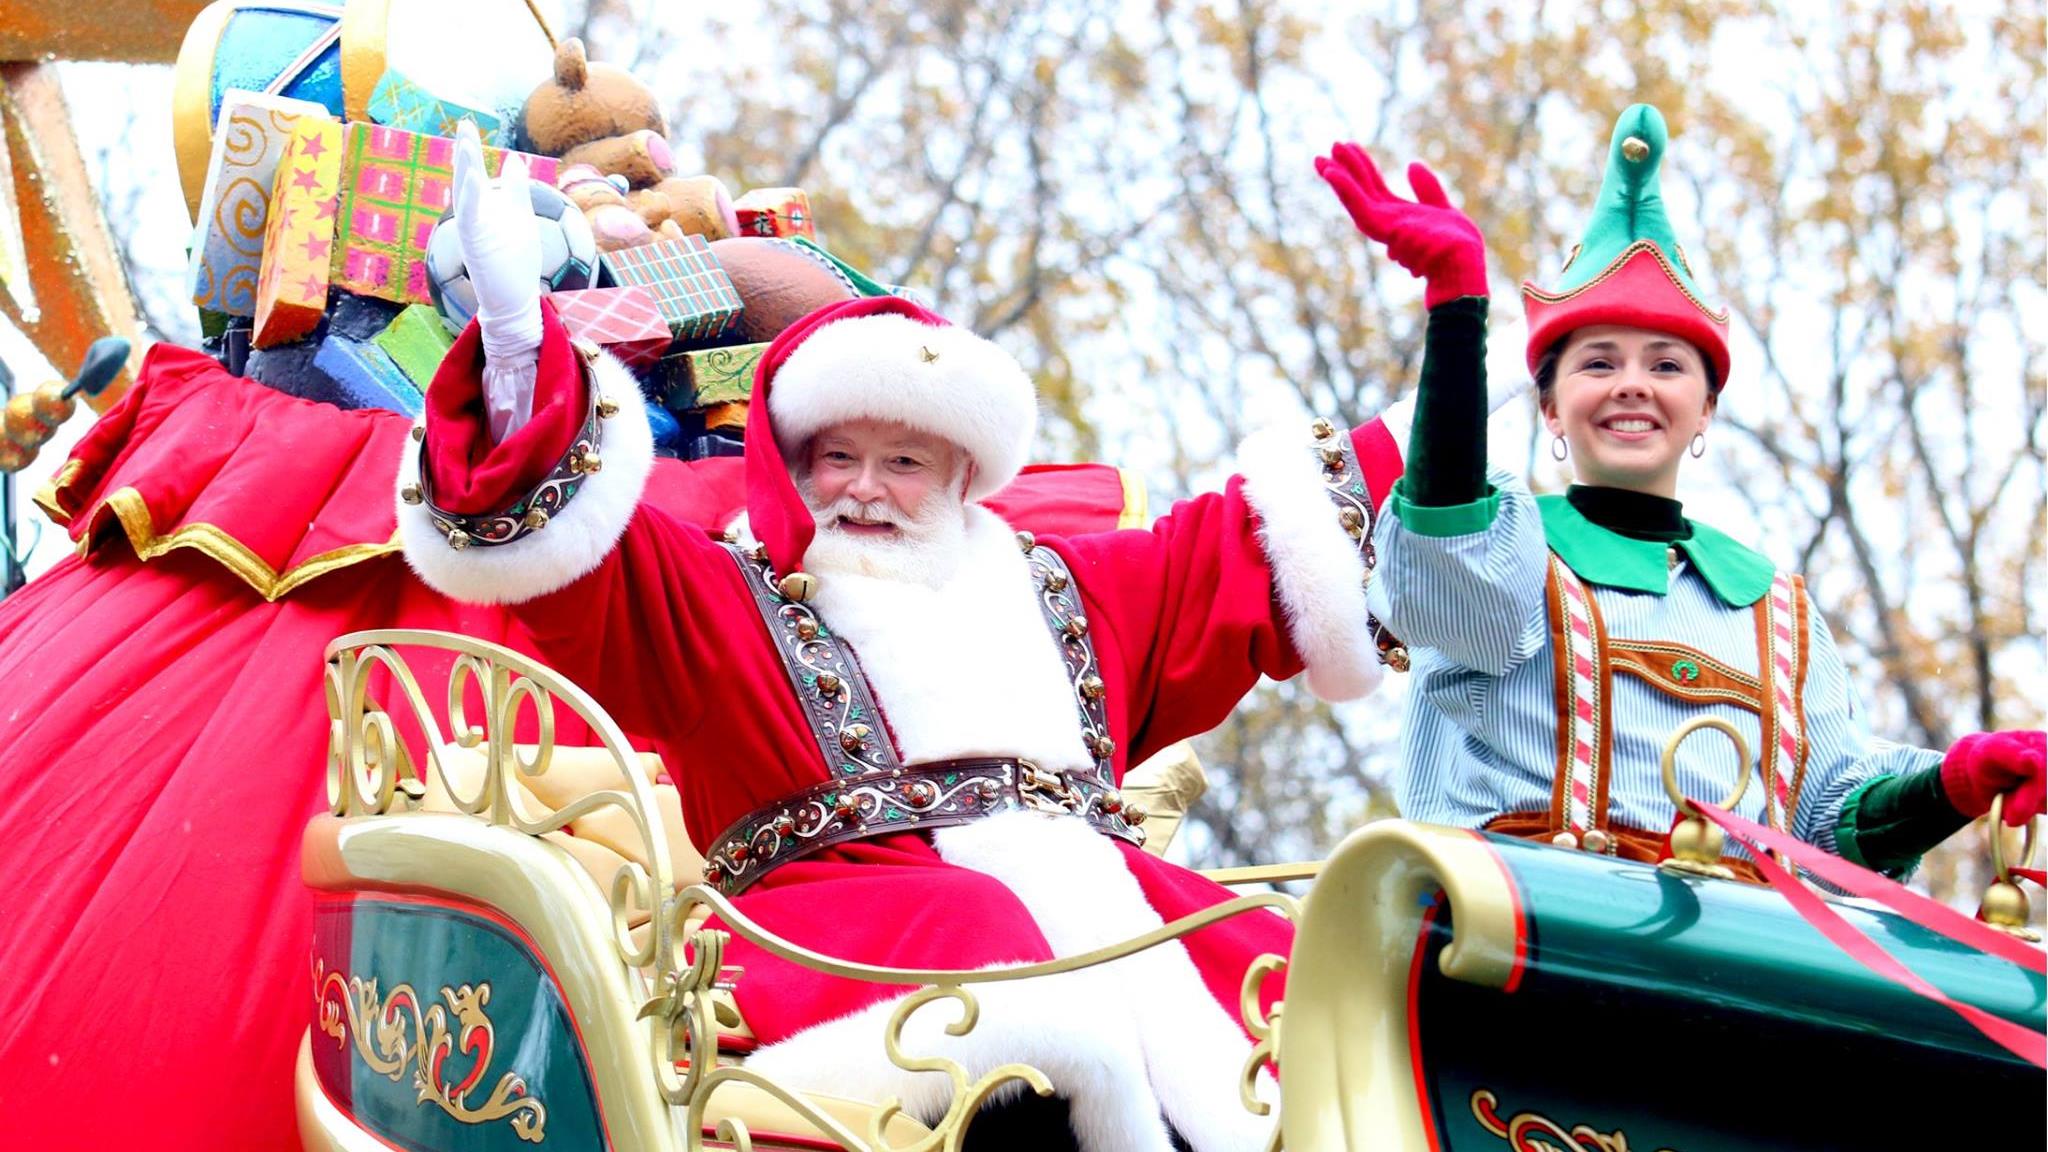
x: 878, y: 358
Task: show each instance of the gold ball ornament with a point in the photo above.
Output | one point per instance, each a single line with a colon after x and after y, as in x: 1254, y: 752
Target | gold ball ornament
x: 1698, y: 841
x: 2004, y: 906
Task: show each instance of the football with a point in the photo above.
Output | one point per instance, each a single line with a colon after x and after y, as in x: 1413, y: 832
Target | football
x: 568, y: 255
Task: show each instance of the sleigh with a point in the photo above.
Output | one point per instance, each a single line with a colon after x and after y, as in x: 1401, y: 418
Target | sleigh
x: 509, y: 954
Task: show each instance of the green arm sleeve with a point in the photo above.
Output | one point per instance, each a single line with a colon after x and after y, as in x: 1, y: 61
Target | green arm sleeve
x: 1890, y: 822
x: 1447, y: 445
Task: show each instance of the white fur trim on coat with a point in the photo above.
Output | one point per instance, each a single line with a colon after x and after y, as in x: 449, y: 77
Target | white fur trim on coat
x: 1318, y: 570
x: 940, y: 379
x: 573, y: 543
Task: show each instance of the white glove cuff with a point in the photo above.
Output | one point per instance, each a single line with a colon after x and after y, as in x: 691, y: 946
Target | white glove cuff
x: 508, y: 389
x: 513, y: 335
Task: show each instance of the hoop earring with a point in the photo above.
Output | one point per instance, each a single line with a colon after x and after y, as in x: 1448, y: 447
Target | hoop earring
x: 1559, y: 449
x: 1699, y: 445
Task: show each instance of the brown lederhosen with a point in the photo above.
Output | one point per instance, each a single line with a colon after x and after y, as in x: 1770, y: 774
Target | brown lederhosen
x: 1586, y: 660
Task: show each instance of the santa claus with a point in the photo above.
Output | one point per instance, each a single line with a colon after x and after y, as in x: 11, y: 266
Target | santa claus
x: 902, y: 721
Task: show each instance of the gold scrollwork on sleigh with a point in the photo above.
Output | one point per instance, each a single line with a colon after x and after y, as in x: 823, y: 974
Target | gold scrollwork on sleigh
x: 393, y: 1032
x: 1535, y: 1132
x: 374, y: 770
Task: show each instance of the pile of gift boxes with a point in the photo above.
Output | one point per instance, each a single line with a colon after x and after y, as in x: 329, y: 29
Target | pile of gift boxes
x: 309, y: 267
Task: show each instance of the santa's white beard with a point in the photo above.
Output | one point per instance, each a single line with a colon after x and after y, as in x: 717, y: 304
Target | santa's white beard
x: 924, y: 549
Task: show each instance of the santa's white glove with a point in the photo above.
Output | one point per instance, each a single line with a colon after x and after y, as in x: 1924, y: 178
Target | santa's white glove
x: 501, y: 252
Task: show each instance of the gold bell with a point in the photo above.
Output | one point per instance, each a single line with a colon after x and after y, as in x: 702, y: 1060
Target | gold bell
x: 2004, y: 906
x: 807, y: 629
x: 1135, y: 814
x: 1565, y: 839
x: 1596, y: 841
x: 458, y: 539
x: 1056, y: 582
x: 828, y: 683
x: 797, y: 586
x: 1322, y: 429
x: 1397, y: 658
x: 412, y: 494
x: 1636, y: 149
x: 535, y: 519
x: 585, y: 460
x: 1026, y: 541
x: 854, y: 737
x: 607, y: 407
x: 419, y: 432
x: 1091, y: 686
x: 1076, y: 627
x: 1333, y: 459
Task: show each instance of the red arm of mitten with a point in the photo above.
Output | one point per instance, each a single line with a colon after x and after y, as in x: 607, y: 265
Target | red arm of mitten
x: 1986, y: 764
x: 1427, y: 236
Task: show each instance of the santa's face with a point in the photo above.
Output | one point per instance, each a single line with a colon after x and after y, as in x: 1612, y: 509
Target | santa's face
x: 889, y: 499
x: 1628, y: 401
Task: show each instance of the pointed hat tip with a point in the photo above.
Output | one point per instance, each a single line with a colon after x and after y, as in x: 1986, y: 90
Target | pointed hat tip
x: 1638, y: 145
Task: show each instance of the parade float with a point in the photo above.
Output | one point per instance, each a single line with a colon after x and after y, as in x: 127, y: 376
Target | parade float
x: 484, y: 925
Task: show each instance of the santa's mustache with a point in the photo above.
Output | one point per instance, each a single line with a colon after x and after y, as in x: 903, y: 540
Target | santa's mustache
x: 876, y: 512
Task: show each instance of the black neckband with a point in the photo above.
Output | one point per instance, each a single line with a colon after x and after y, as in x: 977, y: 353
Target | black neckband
x: 1637, y: 515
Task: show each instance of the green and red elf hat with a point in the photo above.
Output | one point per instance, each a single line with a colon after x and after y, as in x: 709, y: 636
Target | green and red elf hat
x: 1629, y: 269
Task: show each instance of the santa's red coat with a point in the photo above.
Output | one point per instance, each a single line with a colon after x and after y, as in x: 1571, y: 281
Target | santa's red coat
x: 651, y: 614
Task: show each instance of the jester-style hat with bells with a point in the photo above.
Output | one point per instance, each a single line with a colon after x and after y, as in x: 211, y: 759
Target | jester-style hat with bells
x: 1629, y: 269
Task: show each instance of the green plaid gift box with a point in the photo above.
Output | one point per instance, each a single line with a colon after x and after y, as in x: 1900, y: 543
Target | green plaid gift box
x: 694, y: 294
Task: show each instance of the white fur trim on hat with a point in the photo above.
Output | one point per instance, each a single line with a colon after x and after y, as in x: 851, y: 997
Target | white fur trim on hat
x: 939, y: 379
x: 574, y: 542
x: 1318, y: 571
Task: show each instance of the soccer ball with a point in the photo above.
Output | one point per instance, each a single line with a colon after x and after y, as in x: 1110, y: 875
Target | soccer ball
x: 568, y: 255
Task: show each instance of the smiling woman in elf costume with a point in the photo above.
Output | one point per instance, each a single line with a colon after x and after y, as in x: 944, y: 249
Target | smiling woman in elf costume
x: 1558, y: 641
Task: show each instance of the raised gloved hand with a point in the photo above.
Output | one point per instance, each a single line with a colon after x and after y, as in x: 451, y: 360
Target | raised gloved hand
x: 1426, y: 235
x: 501, y: 252
x: 1985, y: 764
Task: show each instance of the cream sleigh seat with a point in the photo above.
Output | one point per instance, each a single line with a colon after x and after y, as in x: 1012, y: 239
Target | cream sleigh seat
x: 489, y: 968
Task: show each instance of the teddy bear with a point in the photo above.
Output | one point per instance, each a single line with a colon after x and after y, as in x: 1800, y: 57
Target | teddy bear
x: 613, y: 222
x: 600, y: 115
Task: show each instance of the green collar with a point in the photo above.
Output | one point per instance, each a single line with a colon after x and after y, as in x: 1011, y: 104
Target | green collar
x: 1739, y: 576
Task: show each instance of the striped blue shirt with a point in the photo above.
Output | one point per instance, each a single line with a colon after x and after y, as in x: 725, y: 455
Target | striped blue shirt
x: 1480, y: 735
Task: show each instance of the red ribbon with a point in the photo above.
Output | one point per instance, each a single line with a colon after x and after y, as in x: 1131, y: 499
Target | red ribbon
x: 1930, y: 914
x: 2039, y: 877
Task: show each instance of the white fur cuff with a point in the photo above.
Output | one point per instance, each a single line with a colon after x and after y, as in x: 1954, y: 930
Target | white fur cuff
x: 1318, y: 570
x: 574, y: 542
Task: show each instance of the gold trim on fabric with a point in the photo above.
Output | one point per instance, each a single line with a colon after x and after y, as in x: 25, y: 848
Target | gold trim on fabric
x: 50, y: 496
x: 1534, y: 293
x: 1137, y: 503
x: 132, y: 511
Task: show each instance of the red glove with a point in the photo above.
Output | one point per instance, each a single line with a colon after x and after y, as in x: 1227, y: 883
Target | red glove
x: 1426, y: 235
x: 1985, y: 764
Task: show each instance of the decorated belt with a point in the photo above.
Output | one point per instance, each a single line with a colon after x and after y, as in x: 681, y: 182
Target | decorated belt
x: 871, y: 791
x: 940, y: 795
